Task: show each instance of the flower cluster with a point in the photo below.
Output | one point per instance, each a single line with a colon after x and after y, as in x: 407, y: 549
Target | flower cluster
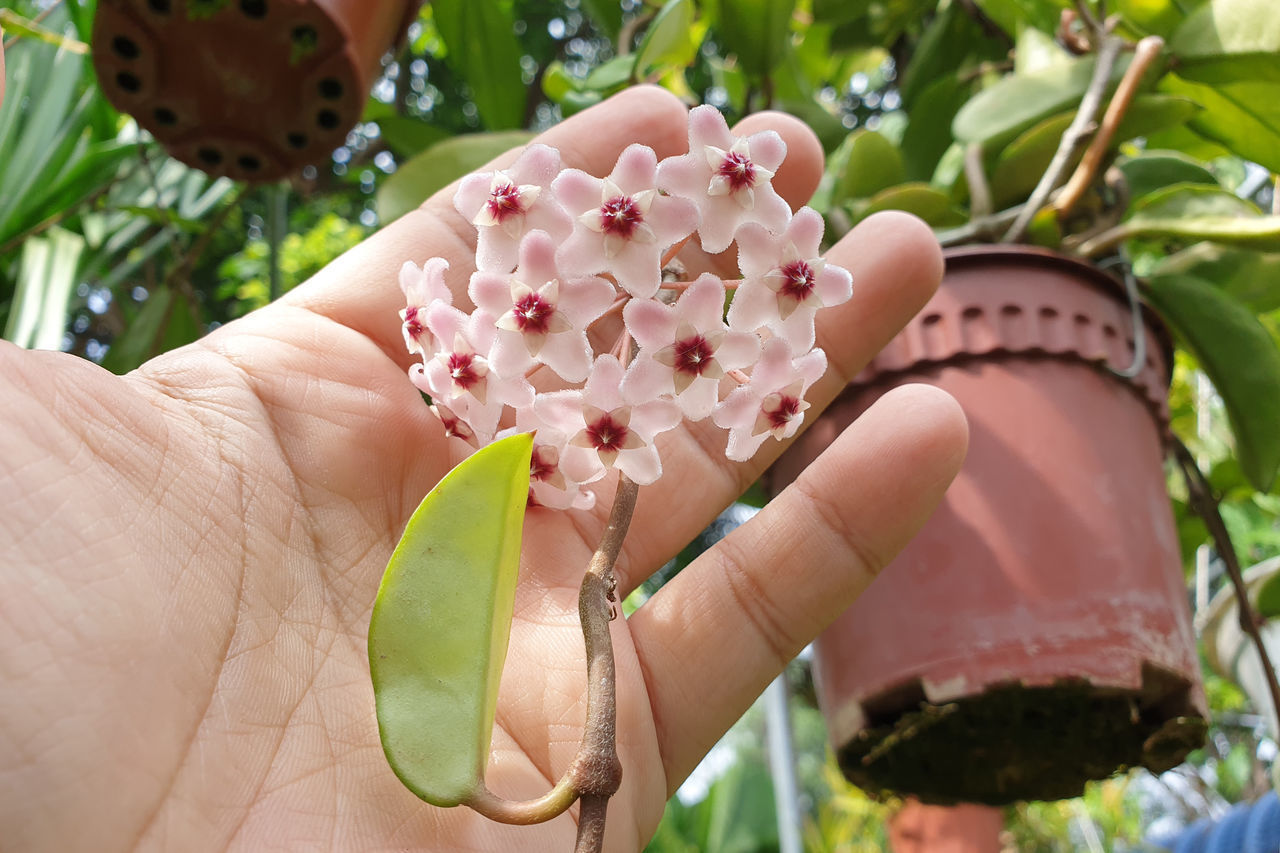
x: 570, y: 292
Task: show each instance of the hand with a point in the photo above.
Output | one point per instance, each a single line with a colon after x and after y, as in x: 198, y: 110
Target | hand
x: 189, y: 555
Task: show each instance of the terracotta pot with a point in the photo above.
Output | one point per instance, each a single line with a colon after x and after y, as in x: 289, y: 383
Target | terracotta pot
x: 966, y: 828
x: 251, y: 89
x: 1036, y: 634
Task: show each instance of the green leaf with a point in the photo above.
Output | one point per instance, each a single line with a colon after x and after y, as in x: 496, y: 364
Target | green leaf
x: 482, y: 48
x: 1267, y: 598
x: 669, y: 39
x: 872, y: 164
x: 927, y: 202
x: 1243, y: 117
x: 141, y: 338
x: 440, y: 165
x: 46, y: 277
x: 1192, y: 200
x: 1229, y: 40
x: 409, y: 136
x: 441, y: 621
x: 1152, y: 170
x: 1017, y: 101
x: 1241, y: 359
x: 928, y: 133
x: 1158, y: 17
x: 1036, y: 50
x: 16, y: 25
x: 758, y: 32
x: 606, y: 15
x: 1013, y: 15
x: 612, y: 74
x: 1253, y: 278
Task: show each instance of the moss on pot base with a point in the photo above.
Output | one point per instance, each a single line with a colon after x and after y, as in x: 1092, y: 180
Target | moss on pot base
x: 1016, y: 743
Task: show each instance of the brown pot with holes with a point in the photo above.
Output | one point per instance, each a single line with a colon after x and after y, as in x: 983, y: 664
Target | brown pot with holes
x: 250, y: 89
x: 1036, y: 634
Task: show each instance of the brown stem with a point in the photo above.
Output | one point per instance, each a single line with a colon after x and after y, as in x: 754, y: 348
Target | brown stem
x: 597, y: 772
x: 1143, y: 55
x: 1079, y: 129
x: 1205, y: 503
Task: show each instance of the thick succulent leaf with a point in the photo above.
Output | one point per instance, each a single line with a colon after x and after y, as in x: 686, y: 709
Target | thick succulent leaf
x: 925, y: 201
x: 928, y: 133
x: 1153, y: 170
x: 1251, y: 277
x: 1229, y: 40
x: 441, y: 621
x: 1017, y: 101
x: 669, y: 39
x: 1158, y: 17
x: 872, y: 163
x: 756, y: 31
x: 482, y: 48
x: 1241, y: 359
x: 440, y: 165
x: 1243, y: 117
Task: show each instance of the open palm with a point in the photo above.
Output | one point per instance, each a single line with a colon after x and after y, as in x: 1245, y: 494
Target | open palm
x: 189, y: 556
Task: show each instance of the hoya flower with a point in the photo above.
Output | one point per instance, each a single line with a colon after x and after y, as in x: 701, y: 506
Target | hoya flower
x: 506, y: 205
x: 542, y: 319
x: 686, y: 348
x: 622, y: 224
x: 786, y: 280
x: 729, y: 178
x: 549, y: 486
x: 458, y: 372
x: 772, y: 403
x: 421, y: 287
x: 454, y: 424
x: 608, y: 425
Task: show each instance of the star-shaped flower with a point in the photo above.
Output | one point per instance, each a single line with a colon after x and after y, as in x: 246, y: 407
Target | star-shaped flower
x: 622, y: 224
x: 785, y: 280
x: 729, y: 178
x: 548, y: 484
x: 772, y: 402
x: 421, y: 287
x: 686, y: 348
x: 541, y: 317
x: 608, y: 425
x: 458, y: 373
x: 506, y: 205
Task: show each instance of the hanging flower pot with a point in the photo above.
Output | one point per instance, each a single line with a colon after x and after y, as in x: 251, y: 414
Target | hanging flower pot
x: 251, y: 89
x: 1036, y: 634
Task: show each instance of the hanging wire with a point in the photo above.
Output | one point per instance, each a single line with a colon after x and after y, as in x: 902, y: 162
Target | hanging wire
x: 1135, y: 313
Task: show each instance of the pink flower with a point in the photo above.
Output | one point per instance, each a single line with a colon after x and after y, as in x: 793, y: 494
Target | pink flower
x: 541, y: 319
x: 421, y: 287
x: 506, y: 205
x: 729, y: 178
x: 608, y: 425
x: 686, y: 348
x: 459, y: 375
x: 785, y: 280
x: 772, y: 402
x: 548, y: 484
x: 622, y: 225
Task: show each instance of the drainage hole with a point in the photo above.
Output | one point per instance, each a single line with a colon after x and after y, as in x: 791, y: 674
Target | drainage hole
x: 249, y: 163
x: 128, y: 82
x: 327, y: 119
x: 297, y: 140
x: 209, y: 156
x: 165, y: 116
x: 330, y: 88
x: 125, y: 47
x: 254, y: 8
x: 160, y: 7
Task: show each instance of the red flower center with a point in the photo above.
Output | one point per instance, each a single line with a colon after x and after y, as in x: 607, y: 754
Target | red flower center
x: 797, y: 280
x: 607, y: 434
x: 412, y: 324
x: 504, y: 201
x: 620, y: 216
x: 738, y: 170
x: 462, y: 369
x: 693, y: 355
x: 787, y: 408
x: 543, y: 464
x: 533, y: 314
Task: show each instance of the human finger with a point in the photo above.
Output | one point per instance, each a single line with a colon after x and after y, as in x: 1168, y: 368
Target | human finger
x: 896, y: 266
x: 711, y: 639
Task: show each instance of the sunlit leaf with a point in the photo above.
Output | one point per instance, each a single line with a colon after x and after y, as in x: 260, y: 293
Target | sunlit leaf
x: 441, y: 621
x: 1241, y: 359
x: 1229, y: 40
x: 483, y: 49
x: 669, y: 39
x: 1243, y: 117
x: 440, y: 165
x: 872, y: 164
x: 1151, y: 170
